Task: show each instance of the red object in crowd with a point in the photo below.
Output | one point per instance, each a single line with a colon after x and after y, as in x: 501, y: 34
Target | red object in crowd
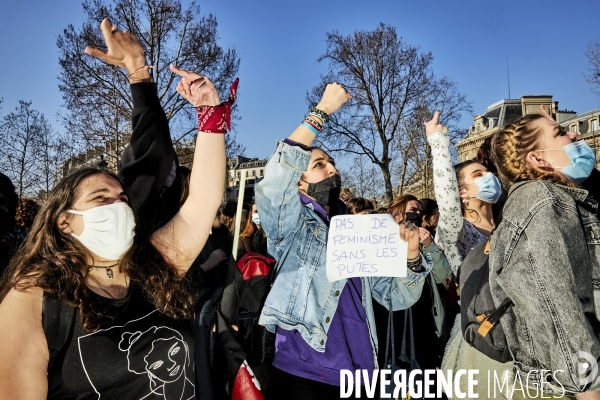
x: 253, y: 264
x: 217, y: 119
x: 246, y: 386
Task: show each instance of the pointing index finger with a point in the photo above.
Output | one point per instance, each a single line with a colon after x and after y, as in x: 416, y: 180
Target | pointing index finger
x: 436, y: 118
x: 181, y: 72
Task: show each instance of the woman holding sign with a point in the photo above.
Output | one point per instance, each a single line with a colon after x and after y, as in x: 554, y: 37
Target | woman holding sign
x: 322, y: 327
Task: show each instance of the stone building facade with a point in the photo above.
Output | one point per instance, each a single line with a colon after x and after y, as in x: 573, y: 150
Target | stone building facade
x: 587, y: 125
x: 252, y: 169
x: 107, y: 158
x: 502, y: 113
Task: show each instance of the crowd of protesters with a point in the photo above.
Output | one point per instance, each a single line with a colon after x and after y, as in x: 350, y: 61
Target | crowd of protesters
x: 130, y: 286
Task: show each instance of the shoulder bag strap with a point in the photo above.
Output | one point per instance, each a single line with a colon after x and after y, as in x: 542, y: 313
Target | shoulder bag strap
x: 389, y: 341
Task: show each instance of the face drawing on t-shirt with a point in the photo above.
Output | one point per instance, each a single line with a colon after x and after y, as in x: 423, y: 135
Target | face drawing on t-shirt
x: 142, y: 359
x: 166, y: 360
x: 161, y: 353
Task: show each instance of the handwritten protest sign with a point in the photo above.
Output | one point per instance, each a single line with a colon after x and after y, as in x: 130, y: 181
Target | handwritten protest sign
x: 365, y: 245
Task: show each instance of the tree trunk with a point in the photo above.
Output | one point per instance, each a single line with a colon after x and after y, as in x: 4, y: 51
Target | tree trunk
x: 387, y: 180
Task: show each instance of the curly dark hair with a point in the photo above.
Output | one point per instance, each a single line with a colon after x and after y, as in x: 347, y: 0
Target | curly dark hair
x: 26, y: 211
x: 58, y: 263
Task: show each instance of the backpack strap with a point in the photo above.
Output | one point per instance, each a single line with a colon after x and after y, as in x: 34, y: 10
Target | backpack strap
x: 58, y: 320
x: 489, y: 320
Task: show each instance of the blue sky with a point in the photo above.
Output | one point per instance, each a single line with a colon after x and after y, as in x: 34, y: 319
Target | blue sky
x: 279, y: 42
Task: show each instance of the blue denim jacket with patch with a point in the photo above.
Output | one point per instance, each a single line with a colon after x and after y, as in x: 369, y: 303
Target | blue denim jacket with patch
x: 545, y: 257
x: 301, y: 297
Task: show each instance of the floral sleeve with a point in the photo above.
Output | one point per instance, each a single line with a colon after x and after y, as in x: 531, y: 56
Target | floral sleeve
x: 450, y: 227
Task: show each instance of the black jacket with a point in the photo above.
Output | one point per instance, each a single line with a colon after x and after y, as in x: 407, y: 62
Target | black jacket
x: 150, y: 170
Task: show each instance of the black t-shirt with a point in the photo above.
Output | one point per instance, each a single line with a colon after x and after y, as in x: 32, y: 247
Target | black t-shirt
x: 141, y: 354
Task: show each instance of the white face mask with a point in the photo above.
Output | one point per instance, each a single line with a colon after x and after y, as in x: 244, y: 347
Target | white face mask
x: 108, y: 231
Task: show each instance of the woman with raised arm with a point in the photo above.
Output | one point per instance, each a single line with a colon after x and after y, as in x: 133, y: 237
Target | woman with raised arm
x: 321, y: 327
x: 545, y: 257
x: 465, y: 194
x: 119, y: 304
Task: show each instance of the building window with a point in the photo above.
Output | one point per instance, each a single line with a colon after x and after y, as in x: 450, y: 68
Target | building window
x: 247, y: 176
x: 240, y: 176
x: 574, y: 128
x: 253, y: 172
x: 594, y: 125
x: 261, y: 174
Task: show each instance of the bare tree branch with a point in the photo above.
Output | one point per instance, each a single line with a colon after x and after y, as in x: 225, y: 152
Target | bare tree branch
x: 97, y: 97
x: 29, y: 151
x: 391, y: 83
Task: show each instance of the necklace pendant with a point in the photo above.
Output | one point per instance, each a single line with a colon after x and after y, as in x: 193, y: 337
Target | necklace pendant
x: 109, y: 273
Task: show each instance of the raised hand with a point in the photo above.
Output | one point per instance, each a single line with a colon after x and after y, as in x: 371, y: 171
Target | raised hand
x: 425, y: 236
x: 434, y: 126
x: 124, y: 50
x: 196, y: 88
x: 409, y: 232
x: 333, y: 98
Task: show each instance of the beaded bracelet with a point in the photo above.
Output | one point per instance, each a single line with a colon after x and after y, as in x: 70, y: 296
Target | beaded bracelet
x: 321, y: 114
x: 418, y: 268
x: 414, y: 264
x: 318, y: 128
x: 315, y: 117
x: 314, y: 122
x: 311, y: 128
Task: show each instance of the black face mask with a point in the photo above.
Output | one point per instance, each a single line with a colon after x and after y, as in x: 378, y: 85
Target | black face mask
x: 414, y: 217
x: 327, y: 191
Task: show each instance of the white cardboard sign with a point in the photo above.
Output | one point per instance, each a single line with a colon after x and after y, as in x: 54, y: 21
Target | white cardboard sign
x: 365, y: 245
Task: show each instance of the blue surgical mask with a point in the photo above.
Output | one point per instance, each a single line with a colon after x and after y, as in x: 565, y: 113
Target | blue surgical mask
x: 489, y: 188
x: 256, y: 219
x: 583, y: 161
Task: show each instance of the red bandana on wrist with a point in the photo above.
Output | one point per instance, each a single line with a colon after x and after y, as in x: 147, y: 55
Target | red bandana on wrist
x: 217, y: 119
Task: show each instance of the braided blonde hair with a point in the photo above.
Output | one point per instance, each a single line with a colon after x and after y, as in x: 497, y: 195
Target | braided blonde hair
x: 510, y: 147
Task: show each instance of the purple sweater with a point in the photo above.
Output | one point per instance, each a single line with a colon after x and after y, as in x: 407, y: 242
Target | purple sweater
x: 348, y: 339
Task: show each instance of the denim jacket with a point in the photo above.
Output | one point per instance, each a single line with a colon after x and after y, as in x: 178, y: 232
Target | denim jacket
x: 545, y: 257
x: 301, y: 297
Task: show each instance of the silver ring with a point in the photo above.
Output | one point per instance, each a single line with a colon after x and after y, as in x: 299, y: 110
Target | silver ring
x: 408, y: 224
